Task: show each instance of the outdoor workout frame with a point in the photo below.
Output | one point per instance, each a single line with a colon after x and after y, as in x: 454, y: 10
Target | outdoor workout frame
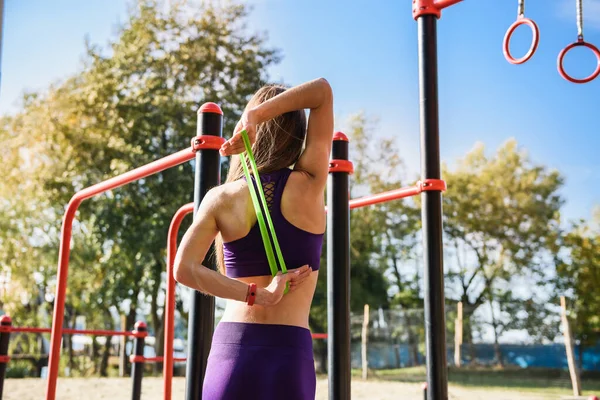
x: 205, y: 149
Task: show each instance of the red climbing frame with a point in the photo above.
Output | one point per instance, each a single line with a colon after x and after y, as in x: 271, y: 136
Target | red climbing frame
x: 199, y: 142
x: 170, y: 300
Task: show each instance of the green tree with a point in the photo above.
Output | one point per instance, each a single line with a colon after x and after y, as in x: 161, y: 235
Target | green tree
x: 501, y: 214
x: 579, y: 278
x: 134, y: 101
x: 380, y: 235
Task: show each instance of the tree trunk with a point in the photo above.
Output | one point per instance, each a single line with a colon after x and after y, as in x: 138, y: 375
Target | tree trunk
x: 42, y: 361
x: 105, y: 356
x: 108, y: 324
x: 413, y: 343
x: 157, y: 322
x: 131, y: 316
x: 95, y: 355
x: 397, y: 353
x: 71, y: 362
x: 497, y: 351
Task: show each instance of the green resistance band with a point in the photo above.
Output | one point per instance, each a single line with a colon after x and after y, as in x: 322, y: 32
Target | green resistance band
x: 257, y: 200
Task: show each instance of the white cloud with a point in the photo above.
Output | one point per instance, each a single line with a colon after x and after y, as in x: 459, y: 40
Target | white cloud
x: 591, y: 12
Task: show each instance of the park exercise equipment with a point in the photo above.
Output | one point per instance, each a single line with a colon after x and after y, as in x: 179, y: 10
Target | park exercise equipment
x: 139, y: 334
x: 339, y: 229
x: 204, y: 149
x: 535, y: 40
x: 580, y: 42
x: 426, y: 13
x: 522, y: 20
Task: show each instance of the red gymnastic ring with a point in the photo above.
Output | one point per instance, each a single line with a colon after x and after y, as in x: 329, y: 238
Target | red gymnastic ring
x: 563, y: 53
x: 535, y: 40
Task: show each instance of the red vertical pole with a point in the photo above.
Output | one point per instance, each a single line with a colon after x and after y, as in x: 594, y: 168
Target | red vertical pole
x: 170, y: 301
x: 59, y: 300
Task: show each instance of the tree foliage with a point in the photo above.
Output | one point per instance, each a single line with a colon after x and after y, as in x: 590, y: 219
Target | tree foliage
x: 501, y: 216
x: 133, y: 101
x: 579, y: 278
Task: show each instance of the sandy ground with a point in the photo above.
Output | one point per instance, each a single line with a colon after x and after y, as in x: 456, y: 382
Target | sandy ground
x: 120, y: 388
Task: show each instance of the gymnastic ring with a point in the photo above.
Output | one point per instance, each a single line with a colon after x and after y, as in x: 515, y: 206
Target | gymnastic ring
x: 535, y: 40
x: 563, y: 53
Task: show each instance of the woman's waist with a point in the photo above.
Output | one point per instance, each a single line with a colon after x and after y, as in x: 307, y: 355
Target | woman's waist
x: 280, y: 314
x: 257, y: 334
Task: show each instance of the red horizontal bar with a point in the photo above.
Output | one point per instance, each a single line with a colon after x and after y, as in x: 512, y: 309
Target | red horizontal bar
x: 28, y: 329
x: 385, y: 196
x: 440, y: 4
x: 135, y: 174
x: 319, y: 336
x: 161, y: 358
x: 97, y: 332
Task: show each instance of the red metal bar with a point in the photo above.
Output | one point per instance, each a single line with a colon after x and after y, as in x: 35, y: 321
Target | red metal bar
x: 319, y: 336
x: 156, y: 359
x: 102, y: 332
x: 65, y: 247
x: 170, y: 300
x: 441, y: 4
x: 385, y: 196
x: 97, y: 332
x: 24, y: 329
x: 431, y: 7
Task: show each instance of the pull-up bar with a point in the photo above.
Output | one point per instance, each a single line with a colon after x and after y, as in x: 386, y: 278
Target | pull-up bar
x: 428, y: 184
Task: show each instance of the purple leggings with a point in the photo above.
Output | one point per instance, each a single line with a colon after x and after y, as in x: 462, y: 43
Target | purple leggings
x: 259, y: 361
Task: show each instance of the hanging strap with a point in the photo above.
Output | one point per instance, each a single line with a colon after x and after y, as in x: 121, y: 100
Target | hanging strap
x: 260, y: 205
x: 579, y: 19
x: 521, y: 11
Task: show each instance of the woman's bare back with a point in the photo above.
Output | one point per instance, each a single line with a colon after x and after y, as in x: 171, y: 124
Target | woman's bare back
x: 302, y: 208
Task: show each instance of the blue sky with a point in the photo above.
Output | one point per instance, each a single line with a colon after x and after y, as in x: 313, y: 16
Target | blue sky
x: 368, y: 51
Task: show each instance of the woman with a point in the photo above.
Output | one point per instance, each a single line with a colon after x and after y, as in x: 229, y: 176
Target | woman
x: 262, y: 348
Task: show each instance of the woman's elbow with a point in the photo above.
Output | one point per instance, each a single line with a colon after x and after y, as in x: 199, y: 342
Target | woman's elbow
x: 325, y: 87
x: 179, y: 272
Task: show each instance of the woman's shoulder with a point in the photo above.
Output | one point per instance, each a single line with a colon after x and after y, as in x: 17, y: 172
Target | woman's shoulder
x: 228, y: 195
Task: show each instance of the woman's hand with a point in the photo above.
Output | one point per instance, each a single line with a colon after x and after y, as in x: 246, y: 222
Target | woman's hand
x: 235, y: 145
x: 273, y: 293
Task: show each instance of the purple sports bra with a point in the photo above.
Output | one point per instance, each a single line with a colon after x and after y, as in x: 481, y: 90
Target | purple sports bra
x: 246, y: 256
